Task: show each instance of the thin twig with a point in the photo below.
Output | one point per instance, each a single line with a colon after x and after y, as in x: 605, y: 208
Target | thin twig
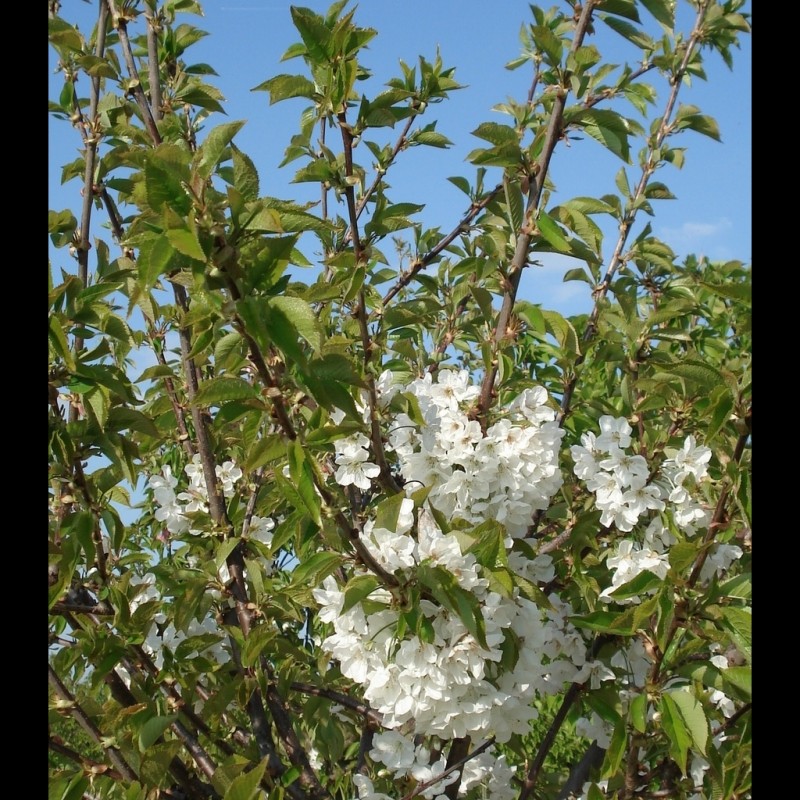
x: 650, y: 165
x: 83, y: 719
x: 121, y: 26
x: 345, y: 700
x: 420, y: 788
x: 525, y: 235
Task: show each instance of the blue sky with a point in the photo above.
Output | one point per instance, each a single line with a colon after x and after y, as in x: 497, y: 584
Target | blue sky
x: 712, y: 213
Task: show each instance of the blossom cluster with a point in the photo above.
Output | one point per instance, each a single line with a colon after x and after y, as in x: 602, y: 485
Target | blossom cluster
x: 447, y: 684
x: 626, y: 493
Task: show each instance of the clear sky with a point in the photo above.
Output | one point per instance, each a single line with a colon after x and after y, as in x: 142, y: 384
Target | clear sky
x: 712, y: 213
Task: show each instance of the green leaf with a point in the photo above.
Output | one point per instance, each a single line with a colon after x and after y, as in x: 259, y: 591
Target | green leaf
x: 548, y: 43
x: 622, y: 8
x: 741, y: 678
x: 302, y: 476
x: 616, y: 750
x: 298, y: 315
x: 694, y: 717
x: 680, y: 739
x: 316, y: 36
x: 152, y: 730
x: 315, y: 568
x: 186, y: 242
x: 641, y: 584
x: 700, y: 375
x: 357, y: 589
x: 637, y: 712
x: 258, y: 638
x: 552, y: 232
x: 245, y: 175
x: 496, y: 134
x: 662, y: 10
x: 607, y: 622
x: 211, y: 150
x: 223, y: 389
x: 607, y: 127
x: 563, y: 330
x: 247, y: 785
x: 388, y: 511
x: 633, y: 34
x: 739, y: 623
x: 263, y: 451
x: 282, y: 87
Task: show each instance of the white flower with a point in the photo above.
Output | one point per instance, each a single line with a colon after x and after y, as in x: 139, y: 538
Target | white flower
x: 351, y: 457
x: 692, y: 459
x: 228, y: 474
x: 394, y: 750
x: 616, y: 434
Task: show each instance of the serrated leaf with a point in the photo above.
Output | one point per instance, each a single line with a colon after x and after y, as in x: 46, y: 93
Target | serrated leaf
x: 741, y: 678
x: 615, y: 751
x: 563, y: 330
x: 739, y: 623
x: 608, y: 128
x: 299, y: 315
x: 258, y: 638
x: 496, y: 134
x: 152, y: 730
x: 622, y: 8
x: 245, y: 174
x: 224, y: 389
x: 357, y: 589
x: 388, y: 512
x: 263, y: 451
x: 662, y: 10
x: 314, y: 569
x: 701, y: 375
x: 186, y: 243
x: 637, y: 712
x: 679, y: 738
x: 315, y: 35
x: 694, y: 717
x: 633, y: 34
x: 302, y: 475
x: 213, y: 147
x: 282, y: 87
x: 548, y: 43
x: 431, y: 139
x: 247, y: 785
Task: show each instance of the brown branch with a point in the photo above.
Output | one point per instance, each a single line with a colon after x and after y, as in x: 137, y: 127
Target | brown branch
x: 459, y: 748
x: 360, y: 313
x: 99, y: 610
x: 626, y: 224
x: 398, y: 146
x: 424, y: 261
x: 364, y: 746
x: 88, y: 764
x: 457, y: 765
x: 345, y: 700
x: 717, y: 521
x: 733, y: 719
x: 121, y: 26
x: 529, y: 784
x: 83, y: 719
x: 537, y: 182
x: 154, y: 78
x: 152, y: 335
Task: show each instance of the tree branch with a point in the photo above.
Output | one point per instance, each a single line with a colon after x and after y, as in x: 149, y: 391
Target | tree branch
x: 83, y: 719
x: 651, y: 163
x: 121, y: 25
x: 420, y: 788
x: 524, y: 237
x: 363, y: 709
